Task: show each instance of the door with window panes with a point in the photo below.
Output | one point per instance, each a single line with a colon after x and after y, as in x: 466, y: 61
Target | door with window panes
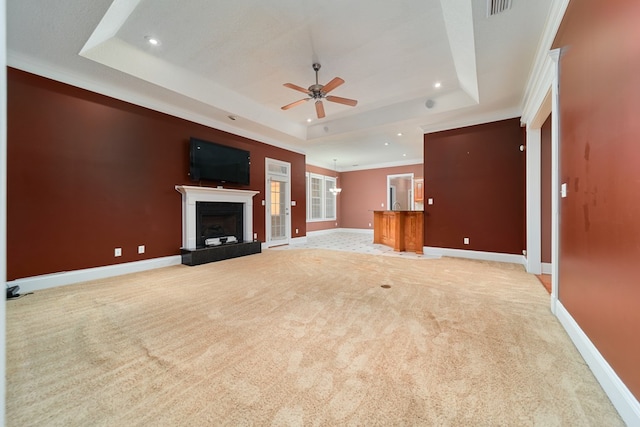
x: 278, y: 202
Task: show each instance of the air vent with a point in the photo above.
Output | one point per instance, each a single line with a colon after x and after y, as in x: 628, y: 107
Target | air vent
x: 495, y: 7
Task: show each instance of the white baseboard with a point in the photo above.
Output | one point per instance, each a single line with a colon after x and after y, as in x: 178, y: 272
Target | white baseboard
x: 299, y: 240
x: 484, y: 256
x: 303, y: 239
x: 36, y: 283
x: 623, y: 400
x: 357, y: 230
x: 337, y: 230
x: 292, y: 241
x: 547, y: 268
x: 321, y: 232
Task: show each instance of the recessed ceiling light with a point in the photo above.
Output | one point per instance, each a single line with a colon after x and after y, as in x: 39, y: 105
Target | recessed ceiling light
x: 404, y: 155
x: 152, y: 40
x: 309, y: 120
x: 386, y: 143
x: 437, y: 85
x: 399, y: 133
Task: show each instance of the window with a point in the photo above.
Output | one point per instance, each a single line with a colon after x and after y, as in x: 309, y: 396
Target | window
x: 321, y: 203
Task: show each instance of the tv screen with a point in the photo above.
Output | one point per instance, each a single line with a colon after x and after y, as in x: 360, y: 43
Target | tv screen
x: 214, y: 162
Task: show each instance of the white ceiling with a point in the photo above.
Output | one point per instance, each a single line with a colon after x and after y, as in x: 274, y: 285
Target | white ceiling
x: 220, y: 58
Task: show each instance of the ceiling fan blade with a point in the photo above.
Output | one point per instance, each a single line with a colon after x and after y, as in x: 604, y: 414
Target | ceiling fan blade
x: 296, y: 87
x: 319, y: 109
x: 340, y: 100
x: 293, y: 104
x: 337, y: 81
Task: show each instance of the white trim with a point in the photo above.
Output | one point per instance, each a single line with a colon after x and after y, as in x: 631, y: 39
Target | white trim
x: 547, y: 268
x: 408, y: 162
x: 355, y: 230
x: 485, y: 256
x: 539, y: 77
x: 324, y: 181
x: 192, y: 194
x: 390, y: 186
x: 299, y: 240
x: 533, y: 198
x: 37, y: 283
x: 338, y: 230
x: 3, y: 201
x: 321, y: 232
x: 280, y: 177
x: 623, y: 400
x: 555, y: 179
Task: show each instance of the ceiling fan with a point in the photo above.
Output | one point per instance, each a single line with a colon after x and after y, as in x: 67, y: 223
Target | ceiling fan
x: 319, y: 92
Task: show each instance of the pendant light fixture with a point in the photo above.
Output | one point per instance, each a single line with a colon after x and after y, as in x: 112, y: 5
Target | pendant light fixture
x: 335, y: 190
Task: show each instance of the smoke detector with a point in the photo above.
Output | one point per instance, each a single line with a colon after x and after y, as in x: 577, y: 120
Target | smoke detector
x: 495, y: 7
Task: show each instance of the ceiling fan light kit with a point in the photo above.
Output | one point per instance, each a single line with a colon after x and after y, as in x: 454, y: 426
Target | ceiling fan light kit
x: 319, y: 92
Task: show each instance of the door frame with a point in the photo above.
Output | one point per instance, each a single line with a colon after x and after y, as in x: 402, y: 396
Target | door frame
x: 282, y: 177
x: 409, y: 176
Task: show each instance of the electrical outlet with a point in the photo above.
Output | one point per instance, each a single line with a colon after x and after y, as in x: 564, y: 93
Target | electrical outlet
x: 466, y: 240
x: 117, y: 252
x: 430, y: 201
x: 141, y: 249
x: 296, y: 231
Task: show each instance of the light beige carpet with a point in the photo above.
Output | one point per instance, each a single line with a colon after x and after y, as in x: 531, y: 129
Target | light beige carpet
x: 299, y: 337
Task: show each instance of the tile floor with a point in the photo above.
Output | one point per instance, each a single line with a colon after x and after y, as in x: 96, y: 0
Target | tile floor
x: 349, y: 241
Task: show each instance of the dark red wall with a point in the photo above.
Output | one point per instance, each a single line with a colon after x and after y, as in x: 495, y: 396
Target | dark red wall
x: 88, y: 173
x: 475, y: 176
x: 599, y: 272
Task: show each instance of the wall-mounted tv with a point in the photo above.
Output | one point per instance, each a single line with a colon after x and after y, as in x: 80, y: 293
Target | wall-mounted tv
x: 209, y: 161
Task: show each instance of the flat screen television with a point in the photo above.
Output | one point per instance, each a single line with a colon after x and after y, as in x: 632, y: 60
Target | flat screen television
x: 209, y: 161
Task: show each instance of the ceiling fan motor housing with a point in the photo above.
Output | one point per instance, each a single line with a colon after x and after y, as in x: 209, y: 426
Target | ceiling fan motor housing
x: 316, y: 91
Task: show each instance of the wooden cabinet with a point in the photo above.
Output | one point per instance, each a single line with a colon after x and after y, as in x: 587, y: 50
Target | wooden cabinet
x: 402, y: 230
x: 418, y: 190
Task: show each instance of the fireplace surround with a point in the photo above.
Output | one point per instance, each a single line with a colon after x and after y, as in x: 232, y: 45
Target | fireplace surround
x: 225, y: 200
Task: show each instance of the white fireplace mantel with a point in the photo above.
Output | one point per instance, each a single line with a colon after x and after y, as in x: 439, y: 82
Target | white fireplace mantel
x: 192, y: 194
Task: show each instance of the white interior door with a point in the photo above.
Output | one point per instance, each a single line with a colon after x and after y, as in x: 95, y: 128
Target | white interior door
x: 278, y: 202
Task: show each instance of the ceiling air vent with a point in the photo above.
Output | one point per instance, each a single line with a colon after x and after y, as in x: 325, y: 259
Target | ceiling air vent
x: 495, y: 7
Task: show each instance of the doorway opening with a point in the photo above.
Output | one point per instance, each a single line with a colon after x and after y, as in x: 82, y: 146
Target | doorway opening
x: 400, y: 192
x: 277, y: 202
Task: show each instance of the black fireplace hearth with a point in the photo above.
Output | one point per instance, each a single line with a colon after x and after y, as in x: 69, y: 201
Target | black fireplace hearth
x: 219, y: 253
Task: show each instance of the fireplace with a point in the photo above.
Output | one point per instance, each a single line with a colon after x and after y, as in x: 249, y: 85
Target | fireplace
x: 209, y: 213
x: 218, y: 220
